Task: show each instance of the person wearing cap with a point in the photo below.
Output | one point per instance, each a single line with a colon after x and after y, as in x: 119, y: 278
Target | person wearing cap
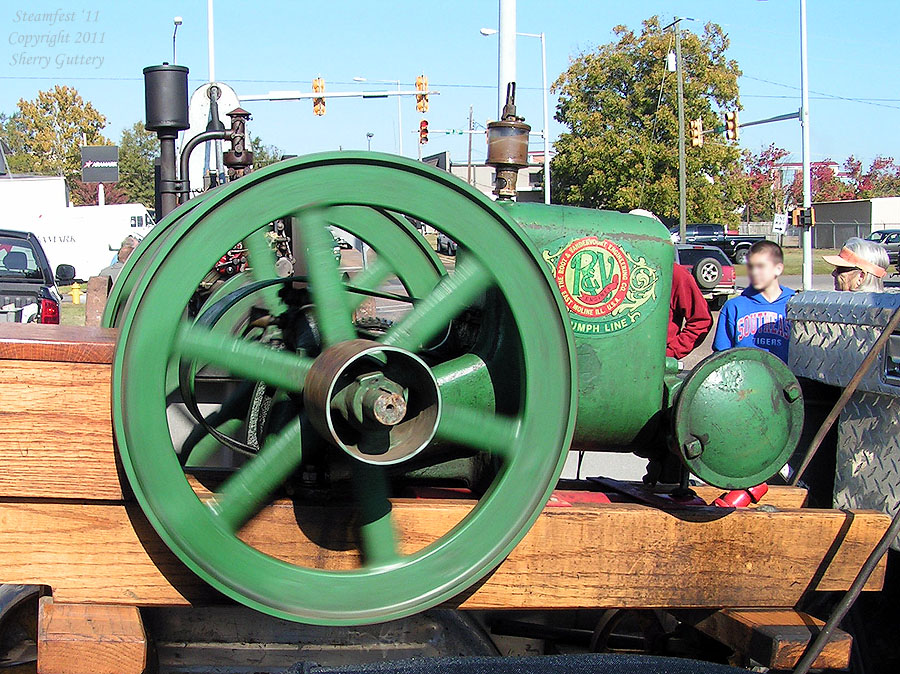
x: 860, y: 266
x: 125, y: 250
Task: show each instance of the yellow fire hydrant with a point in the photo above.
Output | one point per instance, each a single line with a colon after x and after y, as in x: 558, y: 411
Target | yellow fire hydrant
x: 76, y: 293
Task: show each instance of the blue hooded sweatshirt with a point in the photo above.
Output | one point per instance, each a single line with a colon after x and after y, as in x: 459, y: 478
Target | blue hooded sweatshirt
x: 751, y: 320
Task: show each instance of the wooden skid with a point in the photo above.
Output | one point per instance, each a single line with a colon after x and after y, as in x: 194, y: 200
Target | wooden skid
x: 80, y: 639
x: 775, y: 638
x: 613, y: 555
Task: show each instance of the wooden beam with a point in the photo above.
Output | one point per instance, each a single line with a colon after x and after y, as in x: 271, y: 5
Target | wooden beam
x: 97, y: 293
x: 603, y: 555
x: 61, y: 343
x: 90, y: 639
x: 55, y: 430
x: 774, y: 638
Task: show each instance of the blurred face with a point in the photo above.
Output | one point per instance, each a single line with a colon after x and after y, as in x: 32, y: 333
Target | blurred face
x: 847, y: 278
x: 763, y: 271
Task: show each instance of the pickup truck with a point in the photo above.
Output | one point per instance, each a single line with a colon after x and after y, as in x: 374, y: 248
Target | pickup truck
x: 735, y: 247
x: 28, y: 292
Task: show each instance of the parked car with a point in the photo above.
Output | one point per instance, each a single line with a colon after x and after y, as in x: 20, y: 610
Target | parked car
x: 446, y: 245
x: 28, y: 292
x: 890, y: 239
x: 735, y: 247
x: 711, y: 269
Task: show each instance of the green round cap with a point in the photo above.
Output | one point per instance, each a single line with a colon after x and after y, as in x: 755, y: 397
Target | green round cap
x: 737, y: 418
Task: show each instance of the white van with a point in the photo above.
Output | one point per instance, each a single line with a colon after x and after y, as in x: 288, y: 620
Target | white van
x: 87, y: 237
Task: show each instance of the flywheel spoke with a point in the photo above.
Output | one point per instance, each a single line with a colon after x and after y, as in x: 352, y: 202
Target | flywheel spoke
x: 262, y: 268
x: 376, y: 529
x: 370, y: 278
x: 449, y: 298
x: 247, y: 489
x: 332, y: 305
x: 243, y: 358
x: 479, y: 430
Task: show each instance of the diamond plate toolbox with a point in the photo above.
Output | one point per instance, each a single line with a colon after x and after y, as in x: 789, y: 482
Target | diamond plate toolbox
x: 868, y: 455
x: 831, y: 333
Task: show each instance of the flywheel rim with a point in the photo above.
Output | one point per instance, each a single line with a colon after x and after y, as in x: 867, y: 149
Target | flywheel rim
x: 384, y: 590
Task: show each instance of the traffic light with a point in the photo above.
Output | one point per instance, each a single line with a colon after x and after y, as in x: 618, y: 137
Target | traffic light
x: 422, y: 98
x: 731, y: 125
x: 803, y: 217
x: 423, y: 132
x: 808, y: 218
x: 696, y: 133
x: 318, y: 85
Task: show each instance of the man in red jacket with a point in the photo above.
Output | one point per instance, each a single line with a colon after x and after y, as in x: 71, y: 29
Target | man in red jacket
x: 689, y: 317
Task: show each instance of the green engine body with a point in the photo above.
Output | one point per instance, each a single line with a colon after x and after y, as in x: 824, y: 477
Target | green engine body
x: 614, y: 273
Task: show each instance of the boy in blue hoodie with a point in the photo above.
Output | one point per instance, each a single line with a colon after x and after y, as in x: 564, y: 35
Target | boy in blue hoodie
x: 756, y: 317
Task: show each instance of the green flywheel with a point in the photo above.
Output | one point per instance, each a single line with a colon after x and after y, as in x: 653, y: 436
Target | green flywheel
x: 378, y: 403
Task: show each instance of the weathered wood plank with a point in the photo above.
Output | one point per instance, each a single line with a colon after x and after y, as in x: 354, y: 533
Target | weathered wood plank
x: 55, y: 431
x: 90, y: 639
x: 97, y: 294
x: 61, y: 343
x: 775, y: 638
x: 614, y: 555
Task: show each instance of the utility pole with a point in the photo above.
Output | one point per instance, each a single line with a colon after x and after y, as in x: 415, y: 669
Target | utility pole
x: 806, y: 235
x: 682, y: 171
x: 507, y: 56
x: 210, y: 41
x: 546, y: 120
x: 399, y: 122
x: 469, y: 160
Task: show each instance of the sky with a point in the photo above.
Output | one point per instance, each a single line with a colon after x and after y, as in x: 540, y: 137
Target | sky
x: 102, y: 45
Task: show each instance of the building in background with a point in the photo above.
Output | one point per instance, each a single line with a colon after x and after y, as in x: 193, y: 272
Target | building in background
x: 529, y: 187
x: 837, y: 221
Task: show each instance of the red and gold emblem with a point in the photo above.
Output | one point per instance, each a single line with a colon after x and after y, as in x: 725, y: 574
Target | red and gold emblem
x: 593, y: 276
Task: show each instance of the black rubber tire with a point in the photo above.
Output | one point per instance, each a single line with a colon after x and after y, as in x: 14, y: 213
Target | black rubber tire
x: 740, y: 255
x: 708, y: 273
x: 717, y: 302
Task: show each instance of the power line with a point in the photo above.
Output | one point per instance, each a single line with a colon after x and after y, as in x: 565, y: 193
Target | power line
x: 865, y: 101
x: 450, y: 85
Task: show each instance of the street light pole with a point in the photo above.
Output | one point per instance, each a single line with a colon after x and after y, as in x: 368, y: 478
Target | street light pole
x: 399, y: 123
x: 546, y: 120
x: 506, y: 60
x: 546, y: 93
x: 177, y: 21
x: 210, y: 40
x: 682, y: 170
x: 804, y: 122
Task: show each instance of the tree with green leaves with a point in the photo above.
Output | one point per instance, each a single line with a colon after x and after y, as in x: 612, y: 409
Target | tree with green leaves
x: 137, y: 150
x: 46, y: 133
x: 619, y: 103
x: 263, y: 154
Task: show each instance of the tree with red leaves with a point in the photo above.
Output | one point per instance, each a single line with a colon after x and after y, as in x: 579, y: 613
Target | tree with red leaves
x: 764, y: 188
x: 85, y: 194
